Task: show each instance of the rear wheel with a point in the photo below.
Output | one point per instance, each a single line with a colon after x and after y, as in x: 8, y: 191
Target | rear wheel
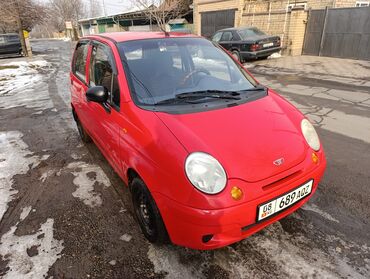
x: 236, y: 55
x: 84, y: 136
x: 147, y: 213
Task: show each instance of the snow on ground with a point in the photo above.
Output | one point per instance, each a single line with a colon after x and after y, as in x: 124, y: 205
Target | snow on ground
x: 165, y: 259
x: 21, y: 84
x: 86, y: 176
x: 15, y: 158
x: 30, y: 256
x: 316, y: 209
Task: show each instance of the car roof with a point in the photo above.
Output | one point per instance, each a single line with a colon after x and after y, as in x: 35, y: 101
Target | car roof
x: 236, y: 28
x: 131, y: 36
x: 9, y: 34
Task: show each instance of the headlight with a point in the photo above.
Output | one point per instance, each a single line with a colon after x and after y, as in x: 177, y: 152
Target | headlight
x: 205, y: 173
x: 310, y: 134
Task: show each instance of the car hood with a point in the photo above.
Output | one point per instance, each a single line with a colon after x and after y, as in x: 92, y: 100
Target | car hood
x: 246, y: 139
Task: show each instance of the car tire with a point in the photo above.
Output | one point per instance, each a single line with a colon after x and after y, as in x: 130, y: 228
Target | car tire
x: 147, y: 213
x: 84, y: 136
x: 236, y: 55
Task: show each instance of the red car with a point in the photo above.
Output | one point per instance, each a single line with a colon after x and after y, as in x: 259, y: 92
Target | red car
x: 210, y: 155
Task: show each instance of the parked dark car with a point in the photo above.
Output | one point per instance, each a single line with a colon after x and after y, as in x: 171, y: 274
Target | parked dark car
x: 247, y: 43
x: 10, y: 44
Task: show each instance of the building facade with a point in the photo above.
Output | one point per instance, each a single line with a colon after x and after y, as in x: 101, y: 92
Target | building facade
x: 285, y: 18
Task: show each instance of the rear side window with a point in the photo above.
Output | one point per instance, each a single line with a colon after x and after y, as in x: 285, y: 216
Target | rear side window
x: 102, y: 72
x: 227, y: 36
x: 79, y: 62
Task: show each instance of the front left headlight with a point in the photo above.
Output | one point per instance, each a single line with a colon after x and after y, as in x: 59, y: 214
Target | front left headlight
x: 205, y: 173
x: 310, y: 134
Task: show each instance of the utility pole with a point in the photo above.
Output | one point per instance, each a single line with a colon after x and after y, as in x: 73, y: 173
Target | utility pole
x: 105, y: 12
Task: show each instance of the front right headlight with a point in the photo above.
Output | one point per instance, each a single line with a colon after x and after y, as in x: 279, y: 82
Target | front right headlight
x: 310, y: 134
x: 205, y: 173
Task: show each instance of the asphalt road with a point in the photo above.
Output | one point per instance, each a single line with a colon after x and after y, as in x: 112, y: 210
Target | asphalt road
x: 66, y: 214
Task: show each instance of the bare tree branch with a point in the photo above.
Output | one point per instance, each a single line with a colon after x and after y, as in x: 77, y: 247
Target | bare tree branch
x: 161, y: 11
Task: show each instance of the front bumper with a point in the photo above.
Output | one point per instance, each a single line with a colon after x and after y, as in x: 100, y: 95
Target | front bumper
x: 259, y: 53
x: 190, y: 227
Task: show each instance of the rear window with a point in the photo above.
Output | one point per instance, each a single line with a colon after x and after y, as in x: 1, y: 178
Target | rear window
x: 250, y: 32
x: 79, y: 61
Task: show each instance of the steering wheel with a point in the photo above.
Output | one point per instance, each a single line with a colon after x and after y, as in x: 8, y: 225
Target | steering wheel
x: 189, y: 75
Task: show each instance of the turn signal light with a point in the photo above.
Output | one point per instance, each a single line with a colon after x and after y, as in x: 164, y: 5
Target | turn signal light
x: 236, y: 193
x: 314, y: 158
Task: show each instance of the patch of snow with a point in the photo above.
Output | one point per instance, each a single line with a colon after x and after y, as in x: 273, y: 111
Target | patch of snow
x: 45, y: 175
x: 166, y: 259
x: 316, y: 209
x: 126, y: 237
x: 25, y: 212
x: 15, y: 158
x: 21, y: 84
x: 13, y: 248
x: 274, y: 55
x: 86, y: 176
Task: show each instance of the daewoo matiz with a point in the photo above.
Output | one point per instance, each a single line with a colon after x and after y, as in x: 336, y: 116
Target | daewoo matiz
x: 210, y: 155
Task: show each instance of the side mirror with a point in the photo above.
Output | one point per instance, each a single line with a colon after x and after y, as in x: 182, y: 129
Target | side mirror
x: 98, y: 94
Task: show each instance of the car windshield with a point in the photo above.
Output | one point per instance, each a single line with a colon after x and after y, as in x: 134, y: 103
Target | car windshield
x: 160, y: 70
x: 250, y: 32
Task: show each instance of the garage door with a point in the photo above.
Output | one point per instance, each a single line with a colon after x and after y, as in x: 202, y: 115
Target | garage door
x: 340, y: 32
x: 213, y: 21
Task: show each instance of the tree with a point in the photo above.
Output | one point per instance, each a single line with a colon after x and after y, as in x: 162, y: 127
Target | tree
x: 19, y: 15
x: 161, y: 11
x: 65, y: 10
x: 30, y: 13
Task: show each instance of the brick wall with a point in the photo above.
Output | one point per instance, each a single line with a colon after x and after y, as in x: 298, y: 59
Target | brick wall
x: 271, y: 17
x: 345, y: 3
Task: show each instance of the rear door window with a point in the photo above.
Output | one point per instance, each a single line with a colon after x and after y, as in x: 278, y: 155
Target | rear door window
x: 79, y: 60
x: 227, y: 36
x: 103, y: 73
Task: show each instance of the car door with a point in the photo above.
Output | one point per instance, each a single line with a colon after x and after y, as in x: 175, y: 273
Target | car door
x: 13, y: 43
x: 78, y: 78
x: 103, y: 72
x: 2, y: 44
x: 226, y: 40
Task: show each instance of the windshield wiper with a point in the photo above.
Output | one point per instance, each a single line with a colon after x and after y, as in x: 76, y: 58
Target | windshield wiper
x: 190, y: 97
x: 219, y: 94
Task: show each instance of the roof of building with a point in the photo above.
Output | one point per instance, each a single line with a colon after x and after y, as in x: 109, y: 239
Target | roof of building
x: 130, y: 36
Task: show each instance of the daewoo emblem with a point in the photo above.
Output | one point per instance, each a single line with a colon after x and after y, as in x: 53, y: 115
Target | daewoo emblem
x: 279, y: 162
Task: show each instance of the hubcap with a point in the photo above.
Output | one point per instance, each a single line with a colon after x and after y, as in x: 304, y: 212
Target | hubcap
x: 144, y: 213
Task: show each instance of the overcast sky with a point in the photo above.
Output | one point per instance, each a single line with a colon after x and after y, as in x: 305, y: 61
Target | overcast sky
x: 113, y: 6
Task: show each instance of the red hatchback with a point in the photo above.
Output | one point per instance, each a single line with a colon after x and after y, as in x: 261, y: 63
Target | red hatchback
x: 210, y: 155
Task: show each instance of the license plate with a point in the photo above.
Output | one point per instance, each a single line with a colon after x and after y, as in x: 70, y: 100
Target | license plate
x: 267, y: 209
x: 268, y: 45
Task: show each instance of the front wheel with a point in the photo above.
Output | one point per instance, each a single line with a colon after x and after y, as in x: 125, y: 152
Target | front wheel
x: 84, y: 136
x: 147, y: 213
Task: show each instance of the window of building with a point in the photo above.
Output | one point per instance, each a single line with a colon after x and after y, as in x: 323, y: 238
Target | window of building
x: 362, y: 3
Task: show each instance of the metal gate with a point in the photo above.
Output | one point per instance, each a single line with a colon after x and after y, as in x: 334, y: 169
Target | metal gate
x: 213, y: 21
x: 343, y: 33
